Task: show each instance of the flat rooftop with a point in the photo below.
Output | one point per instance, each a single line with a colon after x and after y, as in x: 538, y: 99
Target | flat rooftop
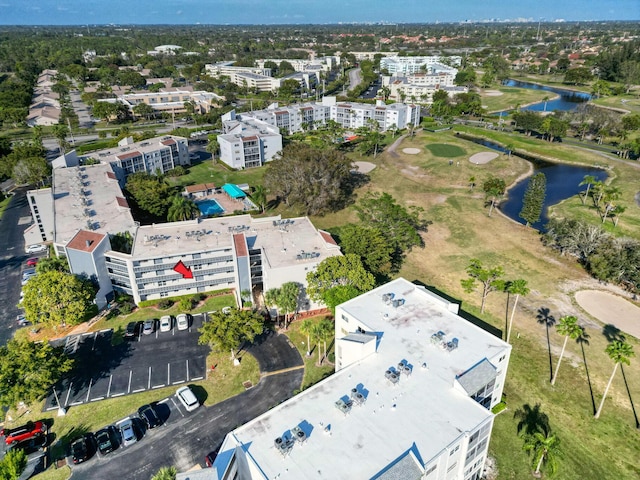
x: 423, y: 408
x: 86, y: 198
x: 281, y: 243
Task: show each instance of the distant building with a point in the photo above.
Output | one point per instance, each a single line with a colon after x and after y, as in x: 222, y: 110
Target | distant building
x: 420, y: 87
x: 410, y: 399
x: 259, y: 78
x: 165, y: 50
x: 411, y: 65
x: 45, y: 105
x: 172, y: 100
x: 302, y: 65
x: 248, y: 142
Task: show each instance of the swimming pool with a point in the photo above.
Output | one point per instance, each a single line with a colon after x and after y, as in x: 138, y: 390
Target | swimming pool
x: 210, y: 207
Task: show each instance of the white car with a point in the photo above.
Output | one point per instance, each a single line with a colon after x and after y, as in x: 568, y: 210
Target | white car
x: 187, y: 398
x: 166, y: 323
x: 37, y: 248
x: 182, y: 321
x: 126, y: 430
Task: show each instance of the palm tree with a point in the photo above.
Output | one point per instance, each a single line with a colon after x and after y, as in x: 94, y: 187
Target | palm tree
x: 306, y: 327
x: 588, y: 180
x: 620, y: 352
x: 165, y: 473
x: 567, y: 326
x: 598, y: 192
x: 544, y: 447
x: 611, y: 194
x: 616, y: 212
x: 517, y: 288
x: 271, y: 299
x: 259, y: 197
x: 182, y: 209
x: 325, y: 332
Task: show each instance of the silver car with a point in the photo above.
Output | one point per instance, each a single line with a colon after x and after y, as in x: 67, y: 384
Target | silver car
x: 127, y: 432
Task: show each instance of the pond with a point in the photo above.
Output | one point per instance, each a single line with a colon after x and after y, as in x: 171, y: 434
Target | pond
x: 563, y: 181
x: 568, y: 99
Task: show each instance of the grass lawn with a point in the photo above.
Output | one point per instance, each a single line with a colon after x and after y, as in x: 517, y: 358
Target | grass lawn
x: 624, y: 102
x: 205, y: 171
x: 4, y: 204
x: 511, y: 97
x: 603, y: 448
x: 444, y: 150
x: 312, y: 372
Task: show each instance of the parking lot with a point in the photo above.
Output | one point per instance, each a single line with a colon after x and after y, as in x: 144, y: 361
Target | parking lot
x: 151, y: 361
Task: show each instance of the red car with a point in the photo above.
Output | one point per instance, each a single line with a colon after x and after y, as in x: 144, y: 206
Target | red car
x: 32, y: 262
x: 25, y: 432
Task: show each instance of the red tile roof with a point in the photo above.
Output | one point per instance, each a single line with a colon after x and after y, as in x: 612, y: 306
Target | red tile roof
x: 201, y: 187
x: 326, y: 236
x: 85, y: 241
x: 241, y: 245
x: 125, y: 156
x: 111, y: 176
x: 171, y: 141
x: 122, y: 202
x: 250, y: 138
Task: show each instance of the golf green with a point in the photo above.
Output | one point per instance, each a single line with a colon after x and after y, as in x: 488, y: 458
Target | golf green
x: 444, y: 150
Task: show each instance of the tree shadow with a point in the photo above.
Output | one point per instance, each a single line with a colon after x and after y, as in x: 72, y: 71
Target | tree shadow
x: 531, y: 420
x: 545, y: 318
x: 633, y: 408
x: 613, y: 333
x: 583, y: 340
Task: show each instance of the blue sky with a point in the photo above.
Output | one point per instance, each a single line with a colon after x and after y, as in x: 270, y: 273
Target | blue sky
x: 79, y: 12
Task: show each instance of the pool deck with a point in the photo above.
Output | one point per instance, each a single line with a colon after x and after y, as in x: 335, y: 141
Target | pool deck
x: 229, y: 204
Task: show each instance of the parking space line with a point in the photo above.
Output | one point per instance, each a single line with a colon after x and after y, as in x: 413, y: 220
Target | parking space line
x: 97, y: 398
x: 89, y: 390
x: 109, y: 389
x: 105, y: 330
x: 139, y: 390
x: 117, y: 395
x: 168, y: 373
x: 149, y: 382
x: 66, y: 400
x: 187, y: 369
x: 177, y: 407
x: 80, y: 402
x: 130, y: 375
x: 196, y: 379
x: 95, y: 336
x: 178, y: 382
x: 157, y: 386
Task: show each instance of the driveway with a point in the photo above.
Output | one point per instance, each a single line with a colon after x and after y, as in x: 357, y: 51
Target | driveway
x: 186, y: 438
x: 81, y: 109
x: 16, y: 218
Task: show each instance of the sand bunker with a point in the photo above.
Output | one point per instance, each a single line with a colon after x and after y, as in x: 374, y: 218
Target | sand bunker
x: 611, y: 309
x: 364, y: 167
x: 411, y: 151
x: 483, y: 157
x: 493, y: 93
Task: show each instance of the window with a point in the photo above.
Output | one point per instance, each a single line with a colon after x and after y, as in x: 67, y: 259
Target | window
x: 431, y: 469
x: 344, y: 317
x: 457, y: 447
x: 452, y: 467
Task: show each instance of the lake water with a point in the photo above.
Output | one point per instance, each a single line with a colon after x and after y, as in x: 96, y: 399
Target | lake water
x: 562, y: 182
x: 568, y: 99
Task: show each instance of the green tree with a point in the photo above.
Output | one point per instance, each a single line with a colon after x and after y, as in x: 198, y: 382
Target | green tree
x: 324, y: 331
x: 150, y: 192
x: 528, y: 121
x: 489, y: 279
x: 588, y: 180
x: 610, y: 196
x: 31, y: 170
x: 619, y: 352
x: 534, y: 199
x: 182, y: 209
x: 515, y: 287
x: 271, y: 299
x: 259, y: 197
x: 60, y: 131
x: 341, y: 270
x: 165, y: 473
x: 29, y: 369
x: 494, y: 189
x: 578, y: 76
x: 53, y: 263
x: 213, y: 147
x: 57, y: 298
x: 228, y: 331
x: 569, y: 328
x: 288, y: 300
x: 144, y: 110
x: 13, y: 464
x: 544, y: 449
x: 370, y: 244
x: 306, y: 328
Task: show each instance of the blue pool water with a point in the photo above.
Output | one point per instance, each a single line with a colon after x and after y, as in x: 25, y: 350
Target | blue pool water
x: 210, y: 207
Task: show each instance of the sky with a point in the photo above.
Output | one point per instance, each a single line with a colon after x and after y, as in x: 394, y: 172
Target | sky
x: 83, y: 12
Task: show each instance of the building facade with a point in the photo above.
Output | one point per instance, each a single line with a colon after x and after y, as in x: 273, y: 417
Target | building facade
x: 410, y: 399
x: 411, y: 65
x: 172, y: 100
x: 248, y: 143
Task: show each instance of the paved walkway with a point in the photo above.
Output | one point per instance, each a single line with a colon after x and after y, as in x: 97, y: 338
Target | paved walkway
x: 611, y: 309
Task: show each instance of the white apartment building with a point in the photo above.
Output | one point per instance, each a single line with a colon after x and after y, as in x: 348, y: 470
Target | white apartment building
x: 410, y: 399
x: 249, y: 142
x: 409, y: 65
x: 172, y: 100
x: 300, y: 65
x: 420, y: 87
x: 259, y: 78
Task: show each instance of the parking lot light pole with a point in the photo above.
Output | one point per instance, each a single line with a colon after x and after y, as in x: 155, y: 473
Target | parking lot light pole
x: 61, y: 410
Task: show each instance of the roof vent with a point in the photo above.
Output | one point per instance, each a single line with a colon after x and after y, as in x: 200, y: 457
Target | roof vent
x: 387, y: 297
x: 398, y: 302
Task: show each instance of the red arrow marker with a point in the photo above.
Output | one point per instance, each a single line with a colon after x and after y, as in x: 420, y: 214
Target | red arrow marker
x: 183, y: 270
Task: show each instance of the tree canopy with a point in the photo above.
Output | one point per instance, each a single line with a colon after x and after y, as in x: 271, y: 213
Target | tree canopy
x: 534, y: 199
x: 150, y: 192
x: 228, y: 331
x: 368, y: 243
x: 316, y: 181
x: 29, y: 369
x: 489, y: 279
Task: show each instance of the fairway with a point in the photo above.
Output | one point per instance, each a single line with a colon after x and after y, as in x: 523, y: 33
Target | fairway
x: 446, y: 151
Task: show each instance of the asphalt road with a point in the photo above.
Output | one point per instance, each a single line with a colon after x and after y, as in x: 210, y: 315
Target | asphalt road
x: 16, y: 218
x: 354, y: 78
x: 186, y: 438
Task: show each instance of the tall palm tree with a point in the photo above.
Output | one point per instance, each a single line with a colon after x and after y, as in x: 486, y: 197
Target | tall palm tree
x: 182, y: 209
x: 611, y: 194
x: 517, y: 288
x: 588, y: 180
x: 271, y: 299
x: 620, y: 352
x: 306, y: 327
x: 567, y: 326
x: 616, y: 212
x: 325, y: 332
x: 165, y: 473
x: 259, y: 196
x: 545, y: 448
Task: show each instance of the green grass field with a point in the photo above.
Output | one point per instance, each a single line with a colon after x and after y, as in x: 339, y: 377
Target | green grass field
x: 510, y: 97
x: 205, y: 171
x: 445, y: 150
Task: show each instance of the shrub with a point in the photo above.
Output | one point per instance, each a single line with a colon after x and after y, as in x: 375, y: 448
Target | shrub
x: 165, y: 304
x: 198, y: 297
x: 186, y: 303
x: 126, y: 308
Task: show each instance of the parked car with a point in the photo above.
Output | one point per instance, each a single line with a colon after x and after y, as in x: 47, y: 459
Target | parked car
x: 105, y: 439
x: 81, y: 449
x: 210, y: 458
x: 149, y: 416
x: 149, y: 326
x: 133, y: 330
x: 127, y: 432
x: 182, y: 321
x: 29, y: 446
x: 32, y: 262
x: 37, y: 248
x: 187, y: 398
x: 22, y: 321
x: 24, y: 432
x: 166, y: 322
x: 28, y: 272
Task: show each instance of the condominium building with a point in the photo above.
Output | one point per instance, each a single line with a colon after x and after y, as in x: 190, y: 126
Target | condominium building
x: 249, y: 142
x: 410, y: 399
x: 410, y: 65
x: 259, y: 78
x: 172, y: 100
x: 420, y: 87
x: 308, y: 64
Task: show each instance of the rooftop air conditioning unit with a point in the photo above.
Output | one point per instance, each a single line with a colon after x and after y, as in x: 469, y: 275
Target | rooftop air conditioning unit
x: 398, y: 302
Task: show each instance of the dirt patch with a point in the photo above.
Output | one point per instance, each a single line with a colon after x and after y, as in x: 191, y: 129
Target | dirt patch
x: 493, y: 93
x: 364, y: 167
x: 483, y: 157
x: 611, y: 309
x: 411, y: 151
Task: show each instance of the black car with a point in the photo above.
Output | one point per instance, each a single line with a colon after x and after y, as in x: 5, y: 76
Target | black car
x: 133, y: 330
x: 105, y: 440
x: 80, y: 449
x: 149, y: 416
